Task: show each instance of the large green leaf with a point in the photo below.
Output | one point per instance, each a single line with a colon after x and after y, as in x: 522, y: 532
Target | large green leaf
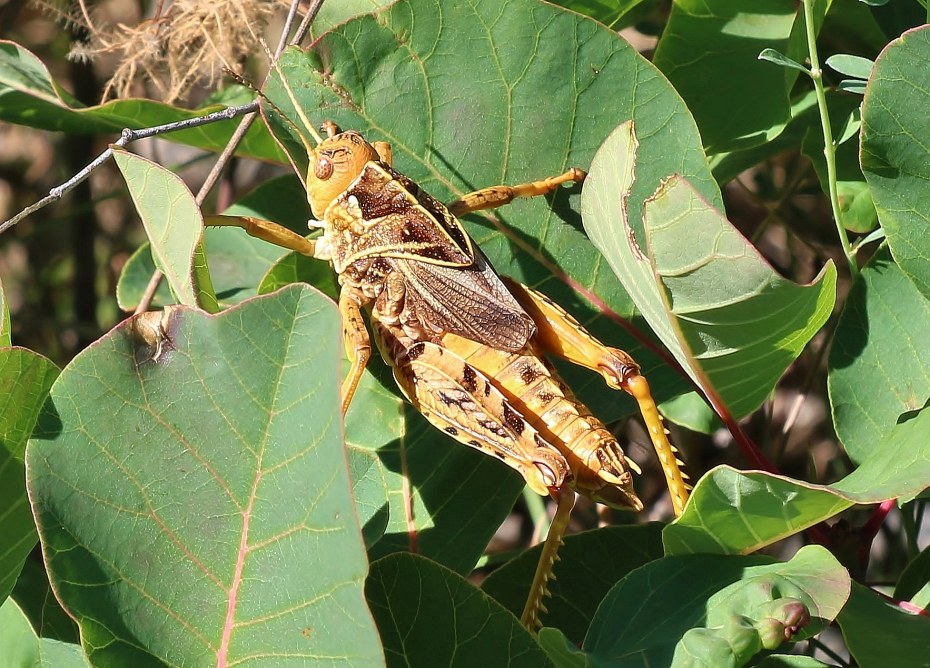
x: 730, y: 320
x: 895, y: 162
x: 174, y: 225
x: 590, y: 563
x: 536, y: 91
x: 25, y: 379
x: 29, y: 96
x: 722, y: 608
x: 431, y: 617
x: 705, y: 38
x: 880, y: 634
x: 734, y: 512
x: 879, y: 365
x: 191, y: 490
x: 21, y: 648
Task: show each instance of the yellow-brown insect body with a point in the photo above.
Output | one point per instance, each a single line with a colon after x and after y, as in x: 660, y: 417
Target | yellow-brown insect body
x: 538, y: 411
x: 462, y: 347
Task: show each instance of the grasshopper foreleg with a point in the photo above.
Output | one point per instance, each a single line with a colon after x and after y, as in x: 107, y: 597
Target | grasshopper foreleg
x: 494, y: 196
x: 266, y: 231
x: 561, y: 335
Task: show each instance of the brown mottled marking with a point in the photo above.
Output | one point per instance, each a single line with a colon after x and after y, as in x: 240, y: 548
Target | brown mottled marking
x: 513, y: 419
x: 528, y: 374
x: 452, y: 431
x: 469, y: 379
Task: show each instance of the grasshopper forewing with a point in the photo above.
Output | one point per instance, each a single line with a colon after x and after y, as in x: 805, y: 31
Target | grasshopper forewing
x: 467, y: 348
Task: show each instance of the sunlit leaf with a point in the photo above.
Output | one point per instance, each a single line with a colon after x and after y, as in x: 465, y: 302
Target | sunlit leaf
x: 174, y: 226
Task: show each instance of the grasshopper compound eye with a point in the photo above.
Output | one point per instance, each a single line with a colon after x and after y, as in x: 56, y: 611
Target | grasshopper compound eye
x: 323, y: 168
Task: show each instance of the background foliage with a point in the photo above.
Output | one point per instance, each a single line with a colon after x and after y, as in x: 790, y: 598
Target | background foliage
x: 177, y: 488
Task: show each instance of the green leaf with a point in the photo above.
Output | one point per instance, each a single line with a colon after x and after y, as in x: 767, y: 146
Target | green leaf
x: 728, y: 318
x: 915, y: 577
x: 445, y: 500
x: 29, y: 96
x: 691, y: 411
x: 854, y: 86
x: 773, y: 56
x: 710, y: 51
x: 590, y: 563
x: 880, y: 634
x: 852, y: 66
x: 878, y: 366
x: 805, y: 118
x: 135, y: 277
x: 733, y: 512
x: 233, y: 417
x: 297, y: 268
x: 409, y: 82
x: 25, y: 379
x: 678, y: 598
x: 5, y: 330
x: 21, y: 648
x: 896, y: 167
x: 561, y: 651
x: 333, y: 13
x: 442, y: 619
x: 174, y: 225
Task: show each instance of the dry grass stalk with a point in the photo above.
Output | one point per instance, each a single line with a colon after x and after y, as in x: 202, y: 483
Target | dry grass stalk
x: 184, y: 44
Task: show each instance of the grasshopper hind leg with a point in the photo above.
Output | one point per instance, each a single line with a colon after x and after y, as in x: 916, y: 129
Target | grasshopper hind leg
x: 561, y: 335
x: 539, y: 590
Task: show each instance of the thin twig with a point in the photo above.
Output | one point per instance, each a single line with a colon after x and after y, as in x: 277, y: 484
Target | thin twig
x: 304, y: 26
x: 127, y: 136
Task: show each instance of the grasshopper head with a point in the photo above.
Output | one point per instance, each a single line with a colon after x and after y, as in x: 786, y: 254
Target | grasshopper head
x: 334, y: 164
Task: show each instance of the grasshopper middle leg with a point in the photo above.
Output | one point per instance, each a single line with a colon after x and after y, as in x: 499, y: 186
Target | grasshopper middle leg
x: 494, y: 196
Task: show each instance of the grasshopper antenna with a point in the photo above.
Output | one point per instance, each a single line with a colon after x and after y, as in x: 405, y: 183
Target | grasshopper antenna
x: 307, y: 125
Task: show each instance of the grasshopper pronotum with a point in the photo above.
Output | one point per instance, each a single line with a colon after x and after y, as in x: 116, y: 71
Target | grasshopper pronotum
x: 466, y: 346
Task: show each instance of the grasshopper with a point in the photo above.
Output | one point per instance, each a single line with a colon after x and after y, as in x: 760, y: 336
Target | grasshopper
x: 467, y: 347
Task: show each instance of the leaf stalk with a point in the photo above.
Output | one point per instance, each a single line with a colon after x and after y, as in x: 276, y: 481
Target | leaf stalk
x: 829, y: 148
